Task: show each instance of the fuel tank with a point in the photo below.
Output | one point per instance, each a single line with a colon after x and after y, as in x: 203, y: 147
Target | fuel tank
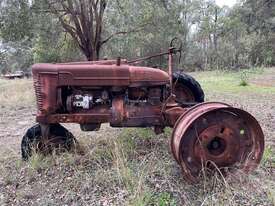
x: 91, y: 74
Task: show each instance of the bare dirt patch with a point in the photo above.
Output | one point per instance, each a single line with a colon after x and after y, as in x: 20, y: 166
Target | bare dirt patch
x: 265, y: 80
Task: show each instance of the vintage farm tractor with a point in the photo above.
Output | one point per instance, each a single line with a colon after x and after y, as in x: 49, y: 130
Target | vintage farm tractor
x: 205, y: 135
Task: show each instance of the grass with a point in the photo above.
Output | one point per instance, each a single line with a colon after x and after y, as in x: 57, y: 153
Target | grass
x: 16, y: 93
x: 131, y: 166
x: 243, y: 83
x: 149, y: 178
x: 233, y: 82
x: 268, y: 160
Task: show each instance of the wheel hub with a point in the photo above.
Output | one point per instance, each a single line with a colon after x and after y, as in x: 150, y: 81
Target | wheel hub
x: 217, y: 144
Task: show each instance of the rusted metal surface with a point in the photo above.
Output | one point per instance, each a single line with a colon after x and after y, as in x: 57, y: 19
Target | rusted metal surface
x: 92, y: 93
x: 49, y: 77
x: 215, y: 135
x: 172, y: 114
x: 144, y: 76
x: 99, y: 115
x: 84, y: 74
x: 101, y: 62
x: 170, y: 69
x: 102, y: 75
x: 118, y: 111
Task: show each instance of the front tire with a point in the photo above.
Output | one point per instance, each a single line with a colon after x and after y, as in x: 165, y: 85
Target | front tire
x: 60, y: 139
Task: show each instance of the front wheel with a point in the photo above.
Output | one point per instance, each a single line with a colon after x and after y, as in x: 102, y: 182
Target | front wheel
x: 59, y: 139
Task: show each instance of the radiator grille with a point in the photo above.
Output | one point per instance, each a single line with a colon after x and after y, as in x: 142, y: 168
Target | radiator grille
x: 38, y: 93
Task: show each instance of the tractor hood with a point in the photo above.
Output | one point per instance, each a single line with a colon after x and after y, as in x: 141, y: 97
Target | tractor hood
x: 92, y: 74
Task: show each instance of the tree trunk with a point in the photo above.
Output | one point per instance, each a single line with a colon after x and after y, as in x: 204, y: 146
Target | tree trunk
x: 92, y: 55
x: 215, y: 32
x: 89, y: 57
x: 83, y: 20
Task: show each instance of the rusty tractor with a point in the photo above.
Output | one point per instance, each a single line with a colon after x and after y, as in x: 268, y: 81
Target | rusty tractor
x: 205, y: 134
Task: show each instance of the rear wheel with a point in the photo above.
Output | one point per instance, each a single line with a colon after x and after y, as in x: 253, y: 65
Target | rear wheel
x: 213, y: 137
x: 187, y: 89
x: 59, y: 140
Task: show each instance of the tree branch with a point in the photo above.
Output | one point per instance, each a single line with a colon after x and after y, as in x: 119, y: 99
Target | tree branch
x: 122, y: 33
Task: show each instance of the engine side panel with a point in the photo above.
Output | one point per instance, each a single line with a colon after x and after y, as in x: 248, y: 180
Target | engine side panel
x: 144, y: 76
x: 85, y: 93
x: 93, y: 75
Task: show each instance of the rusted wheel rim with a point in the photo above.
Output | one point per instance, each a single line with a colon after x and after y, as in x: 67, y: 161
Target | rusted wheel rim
x: 214, y: 135
x: 183, y: 93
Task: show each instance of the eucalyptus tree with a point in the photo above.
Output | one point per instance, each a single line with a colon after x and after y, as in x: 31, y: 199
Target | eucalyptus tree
x: 85, y: 22
x: 259, y: 18
x: 15, y: 20
x: 15, y: 35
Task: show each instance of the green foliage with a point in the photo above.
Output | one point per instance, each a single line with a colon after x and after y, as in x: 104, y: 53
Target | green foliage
x: 213, y: 37
x: 243, y: 83
x: 269, y: 157
x: 38, y: 162
x: 68, y: 50
x: 64, y: 51
x: 44, y: 53
x: 15, y: 20
x: 164, y: 199
x: 159, y: 199
x: 16, y: 56
x: 244, y: 79
x: 16, y: 34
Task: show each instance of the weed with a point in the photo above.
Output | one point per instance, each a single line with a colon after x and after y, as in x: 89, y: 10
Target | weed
x: 268, y: 157
x: 271, y: 195
x: 243, y: 83
x: 124, y: 172
x: 102, y: 153
x: 8, y: 179
x: 244, y: 79
x: 127, y: 140
x: 39, y: 162
x: 164, y: 199
x: 168, y: 132
x: 143, y: 199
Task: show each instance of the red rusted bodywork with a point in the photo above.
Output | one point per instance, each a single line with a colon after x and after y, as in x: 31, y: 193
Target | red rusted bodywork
x: 49, y: 78
x: 92, y: 93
